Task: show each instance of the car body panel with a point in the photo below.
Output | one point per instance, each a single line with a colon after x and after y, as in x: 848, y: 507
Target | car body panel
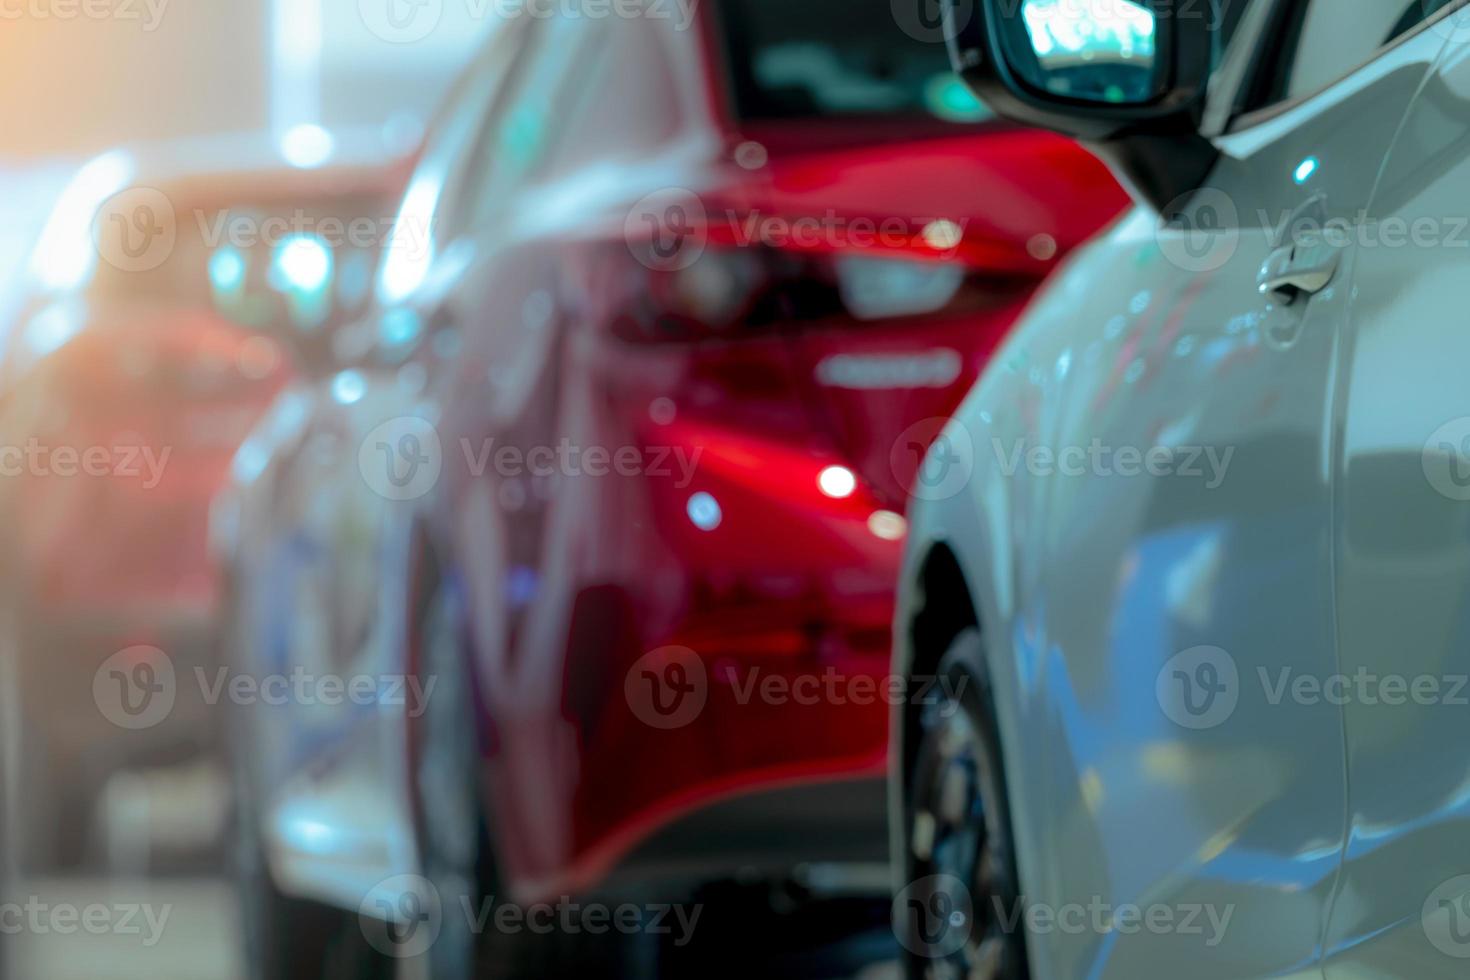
x: 328, y: 601
x: 1091, y: 585
x: 1401, y: 568
x: 572, y: 578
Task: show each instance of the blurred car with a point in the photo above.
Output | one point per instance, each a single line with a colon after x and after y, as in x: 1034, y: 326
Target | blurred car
x: 163, y: 293
x: 623, y: 452
x: 1214, y: 530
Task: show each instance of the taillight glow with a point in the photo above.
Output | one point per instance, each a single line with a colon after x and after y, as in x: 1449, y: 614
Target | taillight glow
x: 837, y: 482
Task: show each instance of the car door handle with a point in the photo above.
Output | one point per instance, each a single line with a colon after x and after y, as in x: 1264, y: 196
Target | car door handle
x: 1298, y: 269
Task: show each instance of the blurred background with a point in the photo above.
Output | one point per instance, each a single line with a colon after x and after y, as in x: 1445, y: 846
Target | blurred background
x: 141, y: 74
x: 138, y: 72
x: 150, y: 74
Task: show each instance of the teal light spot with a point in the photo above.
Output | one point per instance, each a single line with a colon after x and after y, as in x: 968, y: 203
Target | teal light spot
x: 951, y: 99
x: 348, y: 387
x: 400, y: 326
x: 303, y: 263
x: 523, y: 137
x: 227, y: 269
x: 1306, y: 169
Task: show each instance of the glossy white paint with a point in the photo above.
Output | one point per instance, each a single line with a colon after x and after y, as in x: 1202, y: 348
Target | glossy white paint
x: 1237, y: 509
x: 1403, y: 555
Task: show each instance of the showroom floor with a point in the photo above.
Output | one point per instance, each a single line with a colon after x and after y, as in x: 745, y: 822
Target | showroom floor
x: 166, y: 913
x: 200, y: 941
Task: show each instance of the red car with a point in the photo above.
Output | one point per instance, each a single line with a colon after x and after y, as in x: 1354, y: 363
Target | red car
x: 167, y: 299
x: 606, y: 518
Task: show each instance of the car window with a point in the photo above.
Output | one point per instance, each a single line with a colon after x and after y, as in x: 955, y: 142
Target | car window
x: 629, y: 105
x: 1227, y: 16
x: 1324, y: 40
x: 427, y: 216
x: 810, y: 59
x: 523, y: 126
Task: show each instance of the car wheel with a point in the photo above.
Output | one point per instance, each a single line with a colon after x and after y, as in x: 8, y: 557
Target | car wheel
x: 960, y: 866
x: 285, y: 938
x: 448, y: 809
x: 296, y: 939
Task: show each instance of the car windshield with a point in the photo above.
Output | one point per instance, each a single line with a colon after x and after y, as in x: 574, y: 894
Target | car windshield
x: 815, y: 60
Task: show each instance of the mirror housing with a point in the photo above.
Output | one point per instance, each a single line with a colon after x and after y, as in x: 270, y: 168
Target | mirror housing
x: 1148, y: 132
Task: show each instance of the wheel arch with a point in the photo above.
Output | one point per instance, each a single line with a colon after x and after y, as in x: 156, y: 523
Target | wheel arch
x: 943, y: 607
x: 430, y: 564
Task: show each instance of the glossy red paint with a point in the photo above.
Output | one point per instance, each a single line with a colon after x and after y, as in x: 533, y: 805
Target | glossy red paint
x: 678, y: 634
x: 783, y: 592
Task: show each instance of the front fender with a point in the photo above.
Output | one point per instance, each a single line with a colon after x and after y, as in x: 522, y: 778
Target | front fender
x: 993, y: 523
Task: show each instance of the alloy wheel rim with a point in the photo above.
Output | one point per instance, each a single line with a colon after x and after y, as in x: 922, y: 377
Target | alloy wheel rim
x: 957, y: 844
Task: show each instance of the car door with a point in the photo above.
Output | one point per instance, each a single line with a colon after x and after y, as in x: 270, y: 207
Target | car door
x: 327, y: 596
x: 1403, y: 547
x: 500, y: 397
x: 1184, y: 564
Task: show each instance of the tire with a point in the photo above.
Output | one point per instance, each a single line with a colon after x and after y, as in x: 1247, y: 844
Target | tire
x: 958, y: 851
x: 296, y: 939
x: 450, y: 824
x: 453, y: 829
x: 285, y: 938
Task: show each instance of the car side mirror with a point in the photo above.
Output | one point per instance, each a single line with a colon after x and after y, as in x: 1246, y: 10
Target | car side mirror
x: 1128, y: 77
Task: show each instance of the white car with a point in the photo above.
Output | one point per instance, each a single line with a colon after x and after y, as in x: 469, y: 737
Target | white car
x: 1186, y: 602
